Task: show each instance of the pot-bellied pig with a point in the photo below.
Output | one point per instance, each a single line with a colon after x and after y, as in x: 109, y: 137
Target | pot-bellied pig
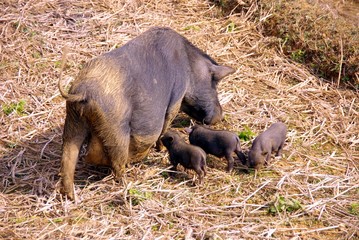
x: 122, y: 101
x: 189, y: 156
x: 217, y: 142
x: 270, y: 140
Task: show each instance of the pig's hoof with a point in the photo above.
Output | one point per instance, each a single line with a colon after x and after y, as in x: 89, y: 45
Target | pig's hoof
x: 68, y: 192
x: 118, y: 172
x: 118, y: 178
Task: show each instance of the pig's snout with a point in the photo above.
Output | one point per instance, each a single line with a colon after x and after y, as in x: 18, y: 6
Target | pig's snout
x: 214, y: 117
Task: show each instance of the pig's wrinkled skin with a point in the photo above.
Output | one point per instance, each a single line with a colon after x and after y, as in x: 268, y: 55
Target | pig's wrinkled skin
x: 189, y: 156
x: 271, y: 140
x: 219, y: 143
x: 122, y: 101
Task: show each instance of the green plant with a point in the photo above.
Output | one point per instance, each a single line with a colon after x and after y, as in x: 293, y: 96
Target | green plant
x: 138, y: 196
x: 354, y: 208
x: 165, y: 175
x: 230, y: 27
x: 36, y: 54
x: 282, y: 204
x: 192, y: 27
x: 57, y: 64
x: 298, y: 56
x: 58, y: 220
x: 18, y: 107
x: 247, y: 134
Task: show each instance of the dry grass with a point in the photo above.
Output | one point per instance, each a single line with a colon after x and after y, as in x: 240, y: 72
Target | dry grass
x: 322, y: 34
x: 319, y: 169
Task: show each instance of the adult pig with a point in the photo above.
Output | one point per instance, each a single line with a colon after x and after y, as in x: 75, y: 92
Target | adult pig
x: 270, y: 140
x: 123, y: 100
x: 219, y: 143
x: 189, y: 156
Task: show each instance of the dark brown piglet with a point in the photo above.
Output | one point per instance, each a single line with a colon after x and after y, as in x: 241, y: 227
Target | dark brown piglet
x: 218, y: 143
x: 270, y: 140
x: 189, y: 156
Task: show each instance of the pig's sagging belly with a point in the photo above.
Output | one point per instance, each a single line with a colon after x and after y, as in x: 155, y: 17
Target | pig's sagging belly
x: 146, y: 128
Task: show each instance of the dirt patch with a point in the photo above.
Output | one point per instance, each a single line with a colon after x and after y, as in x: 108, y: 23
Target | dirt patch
x: 309, y: 193
x: 322, y: 35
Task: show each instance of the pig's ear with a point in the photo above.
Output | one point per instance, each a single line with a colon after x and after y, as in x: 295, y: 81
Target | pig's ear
x: 220, y: 71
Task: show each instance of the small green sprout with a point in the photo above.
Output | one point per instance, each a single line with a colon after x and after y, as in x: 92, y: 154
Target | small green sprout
x: 18, y: 107
x: 247, y: 134
x: 284, y: 204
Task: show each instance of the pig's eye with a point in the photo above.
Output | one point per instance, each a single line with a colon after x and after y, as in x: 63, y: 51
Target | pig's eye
x: 214, y: 82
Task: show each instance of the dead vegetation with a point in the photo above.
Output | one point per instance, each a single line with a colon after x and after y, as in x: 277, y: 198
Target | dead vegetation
x: 309, y: 193
x: 321, y: 34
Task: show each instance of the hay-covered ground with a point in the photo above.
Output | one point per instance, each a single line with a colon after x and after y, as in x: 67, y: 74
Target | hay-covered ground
x: 309, y: 193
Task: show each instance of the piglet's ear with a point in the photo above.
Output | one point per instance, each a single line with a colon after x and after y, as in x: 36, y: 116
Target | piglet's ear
x: 220, y: 71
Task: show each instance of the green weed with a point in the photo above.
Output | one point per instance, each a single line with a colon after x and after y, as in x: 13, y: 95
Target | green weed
x: 192, y: 27
x: 18, y: 107
x: 247, y: 134
x: 138, y: 196
x: 231, y: 27
x: 298, y: 56
x: 354, y: 208
x: 284, y: 204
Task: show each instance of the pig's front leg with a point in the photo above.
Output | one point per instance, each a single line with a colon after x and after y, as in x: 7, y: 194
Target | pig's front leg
x: 173, y: 169
x: 267, y: 158
x: 170, y: 116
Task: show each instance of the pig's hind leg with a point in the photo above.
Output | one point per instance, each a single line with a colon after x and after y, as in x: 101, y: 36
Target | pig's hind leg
x: 114, y: 134
x: 230, y: 160
x: 75, y: 132
x: 118, y: 151
x: 200, y: 173
x: 280, y: 149
x: 204, y: 169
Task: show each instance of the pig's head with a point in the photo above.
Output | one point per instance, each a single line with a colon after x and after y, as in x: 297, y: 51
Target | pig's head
x: 169, y: 138
x: 201, y: 100
x: 256, y: 159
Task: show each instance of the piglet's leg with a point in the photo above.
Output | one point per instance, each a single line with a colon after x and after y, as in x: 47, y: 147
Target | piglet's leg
x: 200, y: 174
x: 173, y: 169
x: 280, y: 149
x: 204, y: 169
x: 230, y: 162
x: 267, y: 158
